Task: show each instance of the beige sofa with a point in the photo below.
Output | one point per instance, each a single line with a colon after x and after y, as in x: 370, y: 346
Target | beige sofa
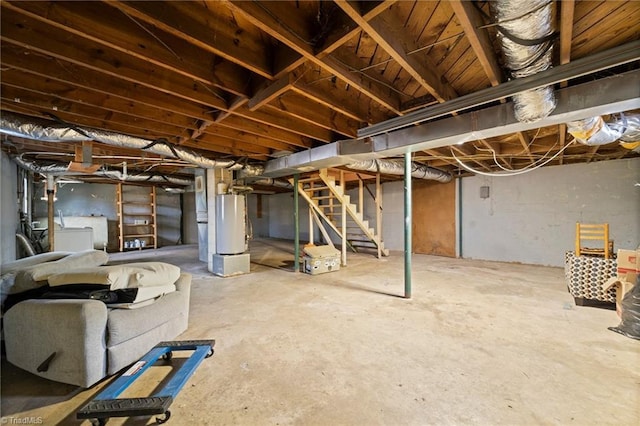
x: 80, y: 341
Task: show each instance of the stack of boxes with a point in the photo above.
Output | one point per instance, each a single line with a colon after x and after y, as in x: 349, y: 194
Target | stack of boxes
x: 628, y: 271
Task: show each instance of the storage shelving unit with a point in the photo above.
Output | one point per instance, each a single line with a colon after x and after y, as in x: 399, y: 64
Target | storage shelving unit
x: 137, y: 226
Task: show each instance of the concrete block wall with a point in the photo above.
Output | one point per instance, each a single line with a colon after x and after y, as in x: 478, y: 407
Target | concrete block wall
x: 531, y: 218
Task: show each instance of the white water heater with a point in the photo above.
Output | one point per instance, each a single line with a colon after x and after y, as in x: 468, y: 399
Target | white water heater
x: 230, y: 224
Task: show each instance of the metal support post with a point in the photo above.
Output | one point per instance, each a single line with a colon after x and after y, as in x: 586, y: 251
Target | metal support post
x: 407, y: 225
x: 51, y: 186
x: 296, y: 260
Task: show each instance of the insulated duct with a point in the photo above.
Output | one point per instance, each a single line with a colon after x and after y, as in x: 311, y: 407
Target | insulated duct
x: 595, y: 131
x: 526, y: 33
x: 110, y: 174
x: 43, y: 130
x: 396, y: 167
x: 280, y: 183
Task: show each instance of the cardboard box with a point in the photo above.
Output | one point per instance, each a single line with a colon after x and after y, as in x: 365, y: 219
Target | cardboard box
x: 628, y: 265
x: 628, y: 269
x: 321, y: 259
x: 622, y: 287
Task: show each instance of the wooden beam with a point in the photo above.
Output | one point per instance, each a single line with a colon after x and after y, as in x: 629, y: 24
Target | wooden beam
x: 48, y: 40
x: 562, y: 138
x: 592, y: 152
x: 471, y: 21
x: 140, y: 83
x: 319, y: 115
x: 525, y: 141
x: 206, y: 33
x: 440, y: 156
x: 567, y: 8
x: 467, y: 153
x: 93, y: 21
x: 387, y: 32
x: 270, y: 92
x: 286, y: 122
x: 259, y: 15
x: 68, y: 96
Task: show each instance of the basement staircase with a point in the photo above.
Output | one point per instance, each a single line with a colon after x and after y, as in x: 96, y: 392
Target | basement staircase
x: 327, y: 199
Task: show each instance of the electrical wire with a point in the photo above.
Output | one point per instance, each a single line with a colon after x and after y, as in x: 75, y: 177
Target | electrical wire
x: 527, y: 169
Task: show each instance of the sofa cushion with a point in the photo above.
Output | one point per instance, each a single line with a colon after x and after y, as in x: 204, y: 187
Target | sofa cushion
x: 36, y: 276
x: 129, y: 275
x: 37, y: 259
x: 125, y: 324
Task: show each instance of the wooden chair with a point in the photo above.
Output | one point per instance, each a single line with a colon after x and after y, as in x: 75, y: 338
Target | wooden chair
x: 597, y: 232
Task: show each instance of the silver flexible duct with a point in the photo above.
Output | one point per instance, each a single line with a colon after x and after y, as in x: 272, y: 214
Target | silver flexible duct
x: 280, y: 183
x: 526, y: 32
x: 595, y: 131
x: 110, y: 174
x: 396, y: 167
x: 43, y: 130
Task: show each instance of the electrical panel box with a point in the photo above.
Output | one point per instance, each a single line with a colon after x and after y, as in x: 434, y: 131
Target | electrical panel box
x: 321, y: 259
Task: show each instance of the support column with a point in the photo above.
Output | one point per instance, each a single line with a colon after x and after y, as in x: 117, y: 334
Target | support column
x: 296, y: 251
x: 51, y: 186
x: 378, y: 203
x: 212, y: 181
x: 407, y: 225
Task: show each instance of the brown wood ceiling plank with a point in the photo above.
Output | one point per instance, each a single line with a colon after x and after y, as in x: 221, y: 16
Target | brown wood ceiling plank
x: 60, y: 94
x: 387, y: 31
x: 39, y: 37
x: 90, y: 77
x: 269, y: 93
x: 326, y: 92
x: 470, y: 21
x: 567, y: 9
x: 346, y: 29
x: 261, y: 16
x: 607, y: 36
x: 95, y: 22
x: 45, y: 67
x: 286, y: 122
x: 259, y: 129
x: 297, y: 106
x: 213, y: 30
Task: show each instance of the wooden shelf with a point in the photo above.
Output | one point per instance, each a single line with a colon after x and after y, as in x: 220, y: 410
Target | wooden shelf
x: 145, y: 209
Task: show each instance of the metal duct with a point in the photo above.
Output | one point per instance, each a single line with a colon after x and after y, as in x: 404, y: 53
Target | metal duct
x: 396, y: 167
x: 526, y: 32
x: 280, y: 183
x: 43, y: 130
x: 595, y: 131
x: 57, y: 169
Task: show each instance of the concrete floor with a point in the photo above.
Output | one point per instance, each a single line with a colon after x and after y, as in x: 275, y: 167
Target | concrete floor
x: 479, y: 343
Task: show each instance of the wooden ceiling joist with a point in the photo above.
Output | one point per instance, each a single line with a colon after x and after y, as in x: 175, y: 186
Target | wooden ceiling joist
x: 388, y: 33
x: 261, y: 17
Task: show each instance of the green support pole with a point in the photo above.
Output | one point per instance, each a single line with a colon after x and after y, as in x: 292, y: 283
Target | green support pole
x: 407, y: 225
x: 296, y: 261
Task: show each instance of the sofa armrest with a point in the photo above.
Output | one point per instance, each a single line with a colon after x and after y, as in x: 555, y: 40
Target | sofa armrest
x: 183, y: 285
x: 73, y: 329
